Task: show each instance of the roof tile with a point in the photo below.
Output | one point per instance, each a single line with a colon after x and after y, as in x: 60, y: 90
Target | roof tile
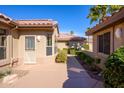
x: 69, y: 37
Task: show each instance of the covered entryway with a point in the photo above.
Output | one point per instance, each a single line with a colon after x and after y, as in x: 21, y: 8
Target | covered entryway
x: 30, y: 49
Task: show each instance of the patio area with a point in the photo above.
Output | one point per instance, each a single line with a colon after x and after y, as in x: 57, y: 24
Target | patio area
x: 53, y: 75
x: 44, y: 75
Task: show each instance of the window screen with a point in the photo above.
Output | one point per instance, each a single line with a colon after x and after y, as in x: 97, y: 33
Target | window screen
x: 104, y: 43
x: 30, y: 43
x: 49, y: 45
x: 49, y: 40
x: 3, y: 44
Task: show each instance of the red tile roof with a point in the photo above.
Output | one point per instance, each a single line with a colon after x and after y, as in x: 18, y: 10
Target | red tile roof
x: 118, y: 16
x: 36, y: 23
x: 68, y: 37
x: 40, y: 23
x: 6, y: 20
x: 5, y: 17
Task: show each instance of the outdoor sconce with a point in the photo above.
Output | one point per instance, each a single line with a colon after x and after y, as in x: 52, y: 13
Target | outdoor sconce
x: 118, y: 33
x: 38, y: 38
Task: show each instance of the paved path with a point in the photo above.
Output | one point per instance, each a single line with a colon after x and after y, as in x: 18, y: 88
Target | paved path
x: 53, y: 75
x: 78, y: 77
x: 46, y: 75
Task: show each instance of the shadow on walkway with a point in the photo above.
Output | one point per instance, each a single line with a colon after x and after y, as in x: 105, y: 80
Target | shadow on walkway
x: 77, y: 76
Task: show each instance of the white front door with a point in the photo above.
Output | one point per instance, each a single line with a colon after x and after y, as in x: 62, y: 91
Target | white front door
x: 30, y: 51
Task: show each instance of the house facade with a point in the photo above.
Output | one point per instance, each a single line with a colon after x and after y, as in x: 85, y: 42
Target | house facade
x: 108, y: 36
x: 65, y: 40
x: 28, y: 41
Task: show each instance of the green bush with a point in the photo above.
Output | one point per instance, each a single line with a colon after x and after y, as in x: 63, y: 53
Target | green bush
x: 66, y: 50
x: 82, y: 56
x: 97, y: 60
x: 89, y: 60
x: 5, y: 72
x: 114, y: 72
x: 86, y: 58
x: 86, y: 46
x: 2, y: 74
x: 72, y: 51
x: 78, y: 53
x: 61, y: 57
x: 58, y: 50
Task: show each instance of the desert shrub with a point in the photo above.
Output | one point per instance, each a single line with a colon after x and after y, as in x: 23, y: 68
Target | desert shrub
x: 86, y: 46
x: 82, y: 56
x: 2, y: 74
x: 89, y: 60
x: 65, y: 50
x: 61, y: 57
x: 114, y: 72
x: 58, y: 50
x: 86, y: 58
x: 5, y: 72
x: 72, y: 51
x: 97, y: 60
x: 78, y: 53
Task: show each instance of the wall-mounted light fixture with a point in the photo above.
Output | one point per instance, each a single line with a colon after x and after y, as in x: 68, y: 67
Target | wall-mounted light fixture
x: 118, y: 33
x: 38, y: 38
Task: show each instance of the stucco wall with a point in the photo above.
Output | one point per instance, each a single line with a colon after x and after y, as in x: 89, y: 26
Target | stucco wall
x: 117, y: 42
x: 40, y: 45
x: 62, y: 45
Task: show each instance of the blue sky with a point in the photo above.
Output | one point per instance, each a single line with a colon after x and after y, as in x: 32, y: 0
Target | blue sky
x: 69, y: 17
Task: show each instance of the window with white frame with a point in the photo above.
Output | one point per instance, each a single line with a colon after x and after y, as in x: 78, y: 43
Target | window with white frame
x: 3, y: 44
x: 49, y: 45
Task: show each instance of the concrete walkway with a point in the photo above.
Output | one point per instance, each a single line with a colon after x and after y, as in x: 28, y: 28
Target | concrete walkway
x: 53, y: 75
x: 44, y: 75
x: 78, y: 77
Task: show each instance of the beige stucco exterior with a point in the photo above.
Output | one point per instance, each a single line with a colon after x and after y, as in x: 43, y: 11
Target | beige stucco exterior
x: 62, y: 45
x: 16, y: 43
x: 40, y: 45
x: 114, y: 41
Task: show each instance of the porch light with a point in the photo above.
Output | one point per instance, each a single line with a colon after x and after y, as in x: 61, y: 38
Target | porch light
x: 118, y: 33
x: 38, y: 38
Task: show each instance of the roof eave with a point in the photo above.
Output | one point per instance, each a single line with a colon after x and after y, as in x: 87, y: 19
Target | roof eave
x: 111, y: 21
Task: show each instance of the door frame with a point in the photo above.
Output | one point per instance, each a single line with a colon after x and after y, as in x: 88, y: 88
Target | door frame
x: 26, y: 59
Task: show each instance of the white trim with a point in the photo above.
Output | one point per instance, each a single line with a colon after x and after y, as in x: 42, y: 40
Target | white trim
x: 5, y: 46
x: 34, y: 54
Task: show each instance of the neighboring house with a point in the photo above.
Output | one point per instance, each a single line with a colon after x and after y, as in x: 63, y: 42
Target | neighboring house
x: 28, y: 41
x: 69, y: 41
x: 108, y: 35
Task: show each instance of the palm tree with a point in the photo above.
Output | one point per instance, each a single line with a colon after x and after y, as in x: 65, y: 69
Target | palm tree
x: 114, y: 8
x: 98, y: 12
